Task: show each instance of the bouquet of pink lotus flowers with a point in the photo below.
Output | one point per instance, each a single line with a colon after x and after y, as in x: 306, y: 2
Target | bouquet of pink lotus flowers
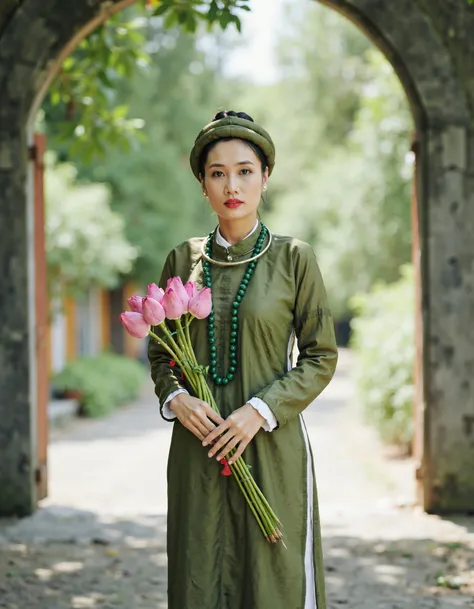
x: 182, y: 304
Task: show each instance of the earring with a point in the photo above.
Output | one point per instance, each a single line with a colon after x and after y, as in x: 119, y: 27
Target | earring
x: 204, y: 193
x: 265, y: 187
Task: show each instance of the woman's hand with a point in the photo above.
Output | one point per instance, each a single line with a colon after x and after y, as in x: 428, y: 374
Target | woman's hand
x: 195, y: 415
x: 238, y: 429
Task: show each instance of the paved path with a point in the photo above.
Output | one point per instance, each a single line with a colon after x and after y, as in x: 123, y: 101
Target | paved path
x: 99, y: 539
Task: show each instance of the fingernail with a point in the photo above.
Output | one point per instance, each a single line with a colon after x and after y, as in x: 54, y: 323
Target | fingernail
x: 209, y: 454
x: 204, y: 443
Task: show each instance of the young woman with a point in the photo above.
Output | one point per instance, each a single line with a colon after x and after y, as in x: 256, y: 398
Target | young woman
x: 217, y: 556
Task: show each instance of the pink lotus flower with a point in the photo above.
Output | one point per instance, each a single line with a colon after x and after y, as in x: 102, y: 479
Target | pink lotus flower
x: 135, y: 324
x: 153, y: 311
x: 191, y: 290
x: 172, y: 304
x: 155, y: 292
x: 201, y: 305
x: 136, y: 304
x: 176, y: 284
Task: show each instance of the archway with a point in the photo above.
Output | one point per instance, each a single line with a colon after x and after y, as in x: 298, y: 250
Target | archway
x: 36, y: 36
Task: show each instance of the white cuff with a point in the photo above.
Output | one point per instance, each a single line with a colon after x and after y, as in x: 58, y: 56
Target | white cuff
x: 264, y: 410
x: 167, y: 412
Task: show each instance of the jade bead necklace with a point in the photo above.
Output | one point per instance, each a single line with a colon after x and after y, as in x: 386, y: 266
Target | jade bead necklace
x: 234, y: 328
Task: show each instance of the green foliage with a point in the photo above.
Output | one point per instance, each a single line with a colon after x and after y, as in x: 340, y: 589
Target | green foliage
x: 81, y: 101
x: 363, y: 223
x: 341, y: 125
x: 85, y: 242
x: 153, y: 188
x: 383, y: 343
x: 188, y: 14
x: 102, y: 382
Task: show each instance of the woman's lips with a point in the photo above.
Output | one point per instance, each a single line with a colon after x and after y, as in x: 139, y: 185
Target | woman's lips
x: 233, y: 203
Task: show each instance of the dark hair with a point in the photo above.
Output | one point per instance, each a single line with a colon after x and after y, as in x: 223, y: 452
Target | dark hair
x: 258, y: 151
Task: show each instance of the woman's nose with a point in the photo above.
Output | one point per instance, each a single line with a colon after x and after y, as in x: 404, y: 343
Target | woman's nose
x: 231, y: 186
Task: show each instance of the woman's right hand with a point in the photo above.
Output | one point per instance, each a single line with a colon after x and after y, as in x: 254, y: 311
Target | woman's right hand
x: 195, y: 415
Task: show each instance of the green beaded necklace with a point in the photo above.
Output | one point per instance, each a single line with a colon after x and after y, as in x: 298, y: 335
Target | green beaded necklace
x: 234, y: 331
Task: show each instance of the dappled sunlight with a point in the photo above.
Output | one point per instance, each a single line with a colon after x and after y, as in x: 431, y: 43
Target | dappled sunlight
x: 100, y: 561
x: 68, y: 567
x: 404, y: 573
x: 69, y: 558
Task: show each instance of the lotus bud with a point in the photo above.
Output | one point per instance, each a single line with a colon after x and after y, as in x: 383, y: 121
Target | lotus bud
x: 153, y: 311
x: 155, y: 292
x: 172, y: 304
x: 191, y: 289
x: 135, y: 324
x: 176, y: 284
x: 136, y: 304
x: 201, y: 305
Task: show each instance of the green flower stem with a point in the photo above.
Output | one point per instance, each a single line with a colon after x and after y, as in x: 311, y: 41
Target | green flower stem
x: 187, y: 336
x: 201, y: 388
x: 173, y: 343
x: 260, y: 494
x: 174, y: 355
x: 188, y: 352
x: 177, y: 355
x: 242, y: 472
x: 185, y: 333
x: 189, y: 372
x: 257, y: 518
x: 253, y: 496
x: 185, y: 344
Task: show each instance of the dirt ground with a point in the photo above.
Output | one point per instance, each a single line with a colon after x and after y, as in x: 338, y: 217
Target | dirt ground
x: 99, y: 539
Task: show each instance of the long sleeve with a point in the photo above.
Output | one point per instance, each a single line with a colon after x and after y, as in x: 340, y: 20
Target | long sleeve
x: 270, y: 420
x: 164, y: 376
x: 294, y: 391
x: 166, y: 411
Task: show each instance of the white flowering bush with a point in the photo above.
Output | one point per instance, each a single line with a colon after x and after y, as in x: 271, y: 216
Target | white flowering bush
x: 85, y: 240
x: 383, y: 342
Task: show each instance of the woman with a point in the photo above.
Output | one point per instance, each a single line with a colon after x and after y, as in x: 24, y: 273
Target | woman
x: 217, y: 556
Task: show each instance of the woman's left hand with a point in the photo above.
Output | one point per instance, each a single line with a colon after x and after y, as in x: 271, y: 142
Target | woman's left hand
x: 237, y: 430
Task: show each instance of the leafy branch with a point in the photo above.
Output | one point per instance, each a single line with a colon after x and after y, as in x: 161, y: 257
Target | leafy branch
x: 80, y: 109
x: 188, y: 13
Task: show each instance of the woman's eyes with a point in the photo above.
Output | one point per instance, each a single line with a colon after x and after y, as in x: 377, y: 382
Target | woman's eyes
x: 217, y: 174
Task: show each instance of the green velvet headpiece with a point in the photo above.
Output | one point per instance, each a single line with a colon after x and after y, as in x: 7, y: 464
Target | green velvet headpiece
x: 232, y: 126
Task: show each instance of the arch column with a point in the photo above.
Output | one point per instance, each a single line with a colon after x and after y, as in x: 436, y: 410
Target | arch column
x: 440, y: 102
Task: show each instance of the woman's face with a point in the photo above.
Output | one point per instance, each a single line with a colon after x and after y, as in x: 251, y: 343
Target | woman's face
x: 233, y: 180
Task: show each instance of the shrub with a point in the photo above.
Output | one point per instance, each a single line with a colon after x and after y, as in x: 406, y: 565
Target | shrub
x: 102, y: 382
x: 383, y: 341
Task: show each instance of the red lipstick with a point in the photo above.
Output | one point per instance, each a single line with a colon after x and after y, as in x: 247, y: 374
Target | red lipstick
x: 233, y: 203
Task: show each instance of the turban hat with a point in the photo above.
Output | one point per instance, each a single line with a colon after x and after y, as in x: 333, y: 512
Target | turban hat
x: 235, y: 127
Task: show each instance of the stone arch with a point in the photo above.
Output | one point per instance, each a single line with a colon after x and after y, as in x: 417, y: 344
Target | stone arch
x: 36, y: 34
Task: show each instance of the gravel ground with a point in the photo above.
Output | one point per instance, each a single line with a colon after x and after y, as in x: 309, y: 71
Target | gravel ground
x: 99, y: 539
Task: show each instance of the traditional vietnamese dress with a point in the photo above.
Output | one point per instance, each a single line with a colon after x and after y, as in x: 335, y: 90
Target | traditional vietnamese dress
x: 217, y: 555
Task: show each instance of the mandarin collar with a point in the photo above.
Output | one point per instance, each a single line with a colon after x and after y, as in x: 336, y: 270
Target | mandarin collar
x: 221, y: 241
x: 222, y: 252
